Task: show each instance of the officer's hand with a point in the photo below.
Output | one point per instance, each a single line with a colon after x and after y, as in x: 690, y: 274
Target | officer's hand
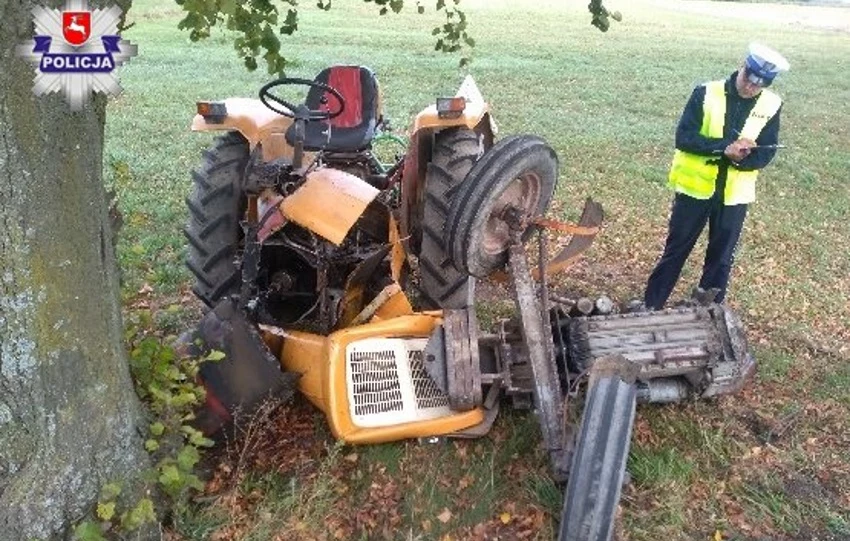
x: 739, y: 150
x: 746, y: 146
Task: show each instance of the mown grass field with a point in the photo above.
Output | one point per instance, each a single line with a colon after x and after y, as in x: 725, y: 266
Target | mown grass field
x: 772, y: 463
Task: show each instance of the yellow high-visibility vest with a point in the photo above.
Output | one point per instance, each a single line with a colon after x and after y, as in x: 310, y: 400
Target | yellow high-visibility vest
x: 695, y: 175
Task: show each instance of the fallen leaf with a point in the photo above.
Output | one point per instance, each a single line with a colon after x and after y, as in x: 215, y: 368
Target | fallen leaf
x: 505, y: 518
x: 445, y: 516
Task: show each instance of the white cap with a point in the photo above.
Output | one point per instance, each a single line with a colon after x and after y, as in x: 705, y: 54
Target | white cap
x: 763, y: 64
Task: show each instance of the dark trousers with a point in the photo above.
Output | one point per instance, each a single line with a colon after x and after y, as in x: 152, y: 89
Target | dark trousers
x: 687, y: 220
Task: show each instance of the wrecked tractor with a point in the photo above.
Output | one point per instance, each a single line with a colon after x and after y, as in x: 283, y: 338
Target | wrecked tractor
x: 303, y: 243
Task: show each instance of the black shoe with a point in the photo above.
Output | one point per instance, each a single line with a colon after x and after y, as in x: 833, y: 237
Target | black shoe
x: 704, y: 297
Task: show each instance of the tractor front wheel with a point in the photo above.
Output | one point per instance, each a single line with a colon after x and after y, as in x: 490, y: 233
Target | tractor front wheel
x: 454, y: 153
x: 599, y: 459
x: 518, y: 173
x: 215, y: 207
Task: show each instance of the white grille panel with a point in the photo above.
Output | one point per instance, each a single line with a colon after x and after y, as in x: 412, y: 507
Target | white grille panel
x: 388, y: 384
x: 428, y: 395
x: 374, y: 376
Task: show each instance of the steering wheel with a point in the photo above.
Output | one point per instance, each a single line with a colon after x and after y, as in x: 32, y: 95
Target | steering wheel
x: 289, y: 110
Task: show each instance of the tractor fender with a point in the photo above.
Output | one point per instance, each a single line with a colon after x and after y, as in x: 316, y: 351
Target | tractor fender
x: 256, y: 122
x: 475, y: 116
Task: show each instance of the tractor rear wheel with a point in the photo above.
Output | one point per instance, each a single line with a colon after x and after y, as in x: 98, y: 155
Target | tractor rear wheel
x: 454, y: 153
x: 599, y: 459
x: 215, y: 207
x: 519, y: 172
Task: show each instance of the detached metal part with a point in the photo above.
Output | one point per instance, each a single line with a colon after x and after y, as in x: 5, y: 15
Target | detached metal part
x: 249, y: 373
x: 698, y: 351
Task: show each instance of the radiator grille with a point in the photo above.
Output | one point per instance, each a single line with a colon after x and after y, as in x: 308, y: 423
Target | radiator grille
x: 388, y: 384
x: 374, y: 377
x: 428, y: 395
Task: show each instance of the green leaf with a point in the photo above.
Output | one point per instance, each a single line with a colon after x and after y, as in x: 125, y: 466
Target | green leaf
x: 151, y: 445
x: 106, y: 510
x: 190, y: 431
x: 166, y: 354
x: 216, y: 355
x: 157, y: 429
x: 88, y: 531
x: 140, y: 515
x: 196, y: 437
x: 163, y: 397
x: 193, y: 482
x: 198, y: 440
x: 169, y: 476
x: 173, y: 373
x: 110, y: 491
x: 188, y: 457
x: 184, y: 398
x: 270, y: 42
x: 290, y: 24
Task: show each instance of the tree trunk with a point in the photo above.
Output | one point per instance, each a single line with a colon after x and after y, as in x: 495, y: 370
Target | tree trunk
x: 68, y: 413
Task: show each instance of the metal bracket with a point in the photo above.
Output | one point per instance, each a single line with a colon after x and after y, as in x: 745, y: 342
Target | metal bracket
x: 534, y: 324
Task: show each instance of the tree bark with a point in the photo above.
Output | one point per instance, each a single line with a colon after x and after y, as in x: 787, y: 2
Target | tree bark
x: 68, y: 412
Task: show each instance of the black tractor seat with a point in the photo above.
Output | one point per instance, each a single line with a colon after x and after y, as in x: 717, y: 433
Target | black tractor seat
x: 354, y: 129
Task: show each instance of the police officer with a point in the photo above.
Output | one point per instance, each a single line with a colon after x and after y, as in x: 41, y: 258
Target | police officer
x: 728, y: 132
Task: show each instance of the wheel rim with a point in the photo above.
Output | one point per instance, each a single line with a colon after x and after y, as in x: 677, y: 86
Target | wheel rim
x: 522, y: 193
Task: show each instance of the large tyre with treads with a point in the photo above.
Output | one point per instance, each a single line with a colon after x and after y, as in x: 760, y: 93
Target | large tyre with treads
x: 599, y: 460
x: 215, y: 207
x: 454, y: 153
x: 518, y: 172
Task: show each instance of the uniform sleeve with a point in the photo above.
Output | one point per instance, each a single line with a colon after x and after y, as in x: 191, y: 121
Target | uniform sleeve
x: 688, y: 137
x: 760, y: 157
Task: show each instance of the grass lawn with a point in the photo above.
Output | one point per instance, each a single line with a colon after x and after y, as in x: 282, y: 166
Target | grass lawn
x: 772, y: 463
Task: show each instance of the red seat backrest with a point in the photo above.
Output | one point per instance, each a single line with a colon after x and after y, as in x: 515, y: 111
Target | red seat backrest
x: 346, y: 80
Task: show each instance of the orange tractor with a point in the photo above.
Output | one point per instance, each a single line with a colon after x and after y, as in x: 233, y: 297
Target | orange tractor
x: 302, y: 243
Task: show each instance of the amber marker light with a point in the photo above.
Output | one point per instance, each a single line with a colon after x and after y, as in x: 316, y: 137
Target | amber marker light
x: 450, y: 107
x: 212, y: 111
